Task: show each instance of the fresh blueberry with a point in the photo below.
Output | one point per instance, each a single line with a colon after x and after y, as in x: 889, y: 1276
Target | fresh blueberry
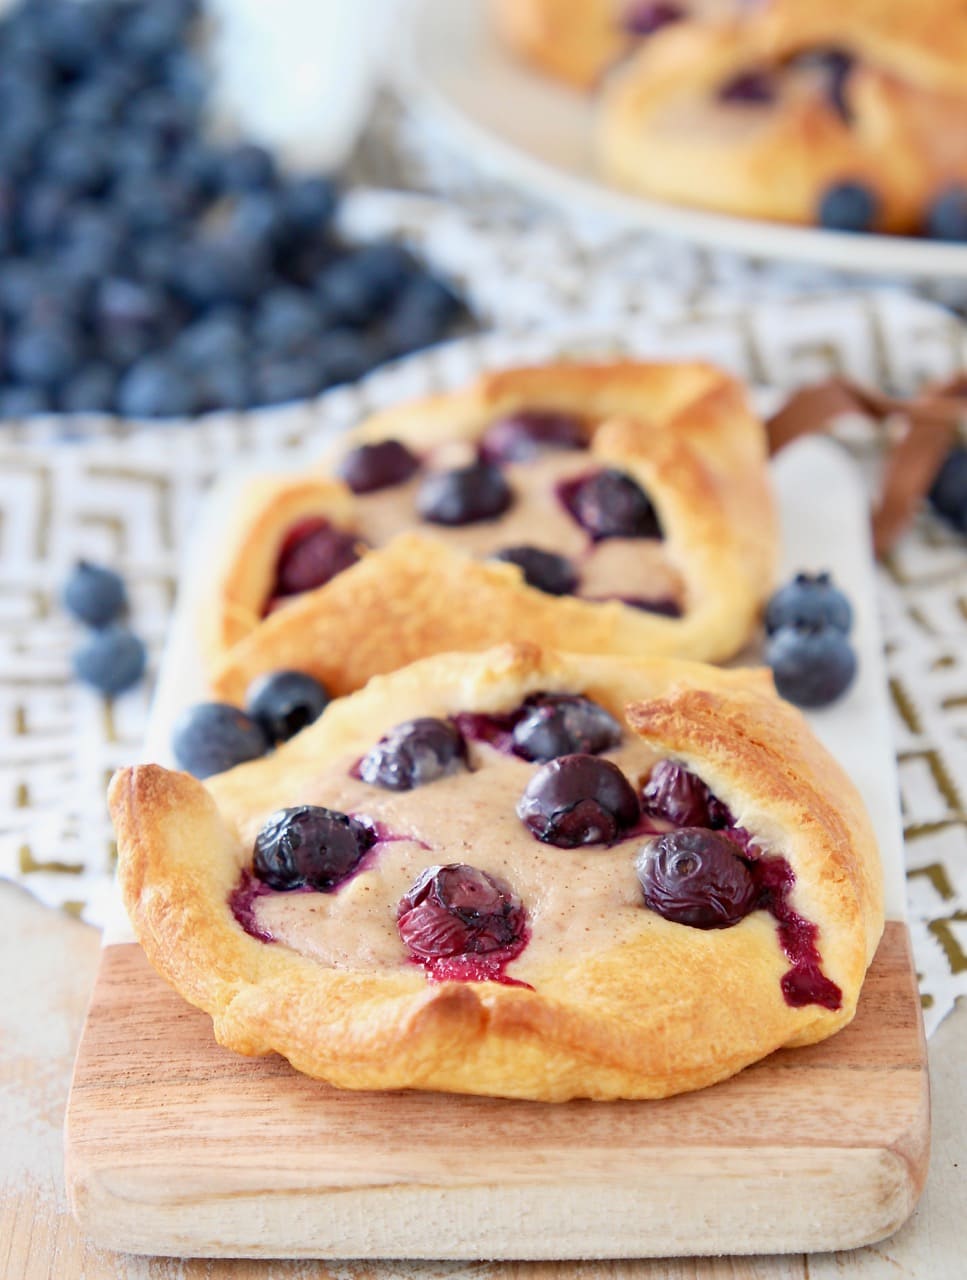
x: 91, y: 390
x: 544, y: 570
x: 465, y: 495
x: 524, y: 435
x: 948, y: 493
x: 283, y: 702
x: 348, y: 293
x: 225, y: 385
x: 20, y: 280
x: 211, y: 737
x: 459, y: 910
x: 45, y: 208
x: 286, y: 320
x: 420, y: 315
x: 564, y: 724
x: 371, y: 467
x: 307, y: 203
x: 811, y: 600
x: 848, y: 206
x: 387, y: 266
x: 283, y: 378
x: 44, y: 355
x: 246, y: 167
x: 947, y: 216
x: 749, y: 86
x: 645, y: 17
x: 676, y: 795
x: 812, y: 666
x: 342, y: 355
x: 150, y: 31
x: 413, y: 754
x: 214, y: 338
x: 94, y: 594
x: 313, y: 552
x: 310, y: 846
x: 196, y: 164
x: 576, y: 800
x: 696, y: 877
x: 111, y: 660
x: 157, y: 387
x: 137, y: 153
x: 131, y: 317
x: 153, y: 202
x: 609, y: 504
x: 23, y: 402
x: 159, y: 113
x: 80, y: 159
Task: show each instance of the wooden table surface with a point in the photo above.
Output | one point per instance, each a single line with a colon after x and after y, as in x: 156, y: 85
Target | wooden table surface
x: 47, y: 965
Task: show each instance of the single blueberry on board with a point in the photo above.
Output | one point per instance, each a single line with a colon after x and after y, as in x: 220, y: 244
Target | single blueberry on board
x: 812, y: 666
x: 94, y: 594
x: 284, y: 702
x: 211, y: 737
x: 111, y: 660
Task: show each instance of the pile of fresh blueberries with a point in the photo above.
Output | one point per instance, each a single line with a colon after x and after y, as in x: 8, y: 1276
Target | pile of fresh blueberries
x: 148, y: 271
x: 807, y: 623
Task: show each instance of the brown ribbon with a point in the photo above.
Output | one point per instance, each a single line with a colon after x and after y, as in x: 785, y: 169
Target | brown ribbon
x: 927, y: 430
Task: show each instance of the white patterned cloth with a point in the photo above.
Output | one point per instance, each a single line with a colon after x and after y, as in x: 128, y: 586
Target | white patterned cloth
x: 128, y: 495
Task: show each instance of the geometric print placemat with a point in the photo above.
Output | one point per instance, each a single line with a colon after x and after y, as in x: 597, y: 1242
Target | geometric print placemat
x: 127, y: 494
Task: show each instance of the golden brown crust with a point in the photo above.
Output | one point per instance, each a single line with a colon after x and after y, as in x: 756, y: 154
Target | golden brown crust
x: 684, y: 431
x: 572, y: 40
x: 903, y: 134
x: 672, y: 1009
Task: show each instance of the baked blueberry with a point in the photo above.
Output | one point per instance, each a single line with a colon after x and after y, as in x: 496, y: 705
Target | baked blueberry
x: 459, y: 910
x: 848, y: 206
x: 948, y: 493
x: 676, y: 795
x: 576, y: 800
x: 283, y: 702
x: 211, y: 737
x: 111, y: 660
x: 666, y: 606
x: 94, y: 594
x: 414, y: 753
x: 313, y: 552
x: 544, y: 570
x: 309, y: 845
x: 748, y: 86
x: 371, y: 467
x: 645, y: 17
x: 696, y: 877
x: 812, y: 666
x: 810, y: 600
x: 464, y: 495
x: 558, y: 724
x: 609, y: 504
x: 522, y: 436
x: 947, y: 216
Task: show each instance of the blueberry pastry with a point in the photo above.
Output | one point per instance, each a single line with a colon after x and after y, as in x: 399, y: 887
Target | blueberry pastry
x: 519, y: 874
x: 580, y: 41
x: 620, y: 508
x: 852, y: 116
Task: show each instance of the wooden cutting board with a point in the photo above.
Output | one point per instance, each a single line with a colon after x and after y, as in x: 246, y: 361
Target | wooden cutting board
x: 177, y: 1146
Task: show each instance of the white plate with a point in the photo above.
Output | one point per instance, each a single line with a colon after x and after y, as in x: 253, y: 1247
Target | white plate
x: 534, y: 132
x: 825, y: 525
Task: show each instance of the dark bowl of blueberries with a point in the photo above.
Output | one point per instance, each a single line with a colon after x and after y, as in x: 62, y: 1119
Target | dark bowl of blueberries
x: 149, y: 271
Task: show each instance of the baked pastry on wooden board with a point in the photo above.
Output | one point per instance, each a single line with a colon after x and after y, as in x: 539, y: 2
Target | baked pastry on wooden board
x: 516, y: 873
x: 612, y: 508
x: 771, y: 114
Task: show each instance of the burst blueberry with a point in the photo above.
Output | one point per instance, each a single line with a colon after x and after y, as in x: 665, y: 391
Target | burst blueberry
x: 524, y: 435
x: 459, y: 910
x: 313, y: 552
x: 696, y: 877
x: 413, y: 754
x: 371, y: 467
x: 465, y: 495
x: 675, y: 794
x: 310, y: 846
x: 564, y: 724
x: 610, y: 504
x: 546, y: 571
x: 578, y: 800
